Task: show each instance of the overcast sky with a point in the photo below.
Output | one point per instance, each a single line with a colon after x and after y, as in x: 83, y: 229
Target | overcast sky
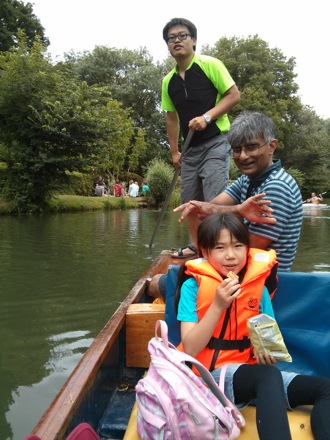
x: 299, y: 29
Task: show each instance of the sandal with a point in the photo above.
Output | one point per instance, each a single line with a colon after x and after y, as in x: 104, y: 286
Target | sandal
x: 181, y: 255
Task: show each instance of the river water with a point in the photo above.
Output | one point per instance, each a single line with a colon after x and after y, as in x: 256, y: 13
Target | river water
x: 63, y: 275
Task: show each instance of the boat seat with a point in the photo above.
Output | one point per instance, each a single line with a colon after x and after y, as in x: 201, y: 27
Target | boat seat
x: 303, y: 321
x: 141, y: 320
x: 301, y: 304
x: 299, y: 424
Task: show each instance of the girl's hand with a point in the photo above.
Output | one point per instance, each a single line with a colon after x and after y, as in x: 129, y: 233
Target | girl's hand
x: 226, y: 292
x: 264, y: 359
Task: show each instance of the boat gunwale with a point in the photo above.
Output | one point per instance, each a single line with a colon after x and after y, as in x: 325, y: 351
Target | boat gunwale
x: 56, y: 419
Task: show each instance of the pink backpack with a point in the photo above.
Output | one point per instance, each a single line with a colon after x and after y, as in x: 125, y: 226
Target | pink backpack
x: 174, y: 403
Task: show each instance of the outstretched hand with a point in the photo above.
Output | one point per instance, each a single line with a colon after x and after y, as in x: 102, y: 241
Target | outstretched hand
x: 254, y: 209
x: 198, y: 208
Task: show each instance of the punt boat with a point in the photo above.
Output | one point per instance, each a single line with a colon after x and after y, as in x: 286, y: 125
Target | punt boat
x: 101, y: 389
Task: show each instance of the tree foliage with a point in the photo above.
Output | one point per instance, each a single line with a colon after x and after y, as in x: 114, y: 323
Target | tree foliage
x: 307, y: 150
x: 135, y: 81
x: 266, y: 80
x: 159, y: 178
x: 264, y: 76
x: 51, y: 124
x: 16, y: 16
x: 101, y: 110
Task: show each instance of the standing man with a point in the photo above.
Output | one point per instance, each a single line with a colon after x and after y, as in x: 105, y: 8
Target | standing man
x: 197, y: 94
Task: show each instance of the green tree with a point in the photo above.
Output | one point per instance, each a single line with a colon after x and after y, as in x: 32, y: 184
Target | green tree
x: 51, y: 124
x: 307, y: 150
x: 136, y: 151
x: 135, y: 81
x: 15, y: 16
x: 265, y: 78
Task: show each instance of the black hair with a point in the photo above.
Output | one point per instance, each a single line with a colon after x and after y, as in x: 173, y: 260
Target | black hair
x: 209, y: 230
x: 180, y: 21
x: 207, y: 238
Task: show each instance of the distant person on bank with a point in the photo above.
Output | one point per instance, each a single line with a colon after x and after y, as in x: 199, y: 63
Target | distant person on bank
x: 144, y: 189
x: 117, y: 189
x: 134, y: 189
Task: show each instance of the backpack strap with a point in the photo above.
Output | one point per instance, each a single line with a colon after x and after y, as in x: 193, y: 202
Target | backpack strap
x: 235, y: 412
x: 222, y: 376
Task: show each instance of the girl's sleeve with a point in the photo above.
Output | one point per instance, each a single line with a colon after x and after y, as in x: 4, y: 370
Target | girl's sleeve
x: 187, y: 309
x: 266, y: 304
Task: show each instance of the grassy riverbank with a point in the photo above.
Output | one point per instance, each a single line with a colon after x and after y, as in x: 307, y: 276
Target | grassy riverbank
x: 70, y: 203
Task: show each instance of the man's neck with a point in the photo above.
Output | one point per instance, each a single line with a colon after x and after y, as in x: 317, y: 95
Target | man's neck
x: 183, y: 62
x: 276, y: 164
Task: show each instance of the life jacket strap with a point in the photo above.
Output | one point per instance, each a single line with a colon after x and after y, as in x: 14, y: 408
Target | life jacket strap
x: 233, y: 344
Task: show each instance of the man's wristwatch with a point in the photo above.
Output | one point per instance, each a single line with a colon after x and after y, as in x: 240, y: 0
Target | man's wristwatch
x: 207, y: 118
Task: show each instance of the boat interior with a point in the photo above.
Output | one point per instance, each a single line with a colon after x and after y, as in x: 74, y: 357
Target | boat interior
x: 300, y: 303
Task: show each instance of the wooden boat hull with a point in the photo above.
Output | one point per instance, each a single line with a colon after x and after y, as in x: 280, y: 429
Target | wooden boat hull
x: 100, y: 390
x: 81, y: 398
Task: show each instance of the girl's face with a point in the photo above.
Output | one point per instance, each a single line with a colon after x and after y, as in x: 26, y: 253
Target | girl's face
x: 228, y: 255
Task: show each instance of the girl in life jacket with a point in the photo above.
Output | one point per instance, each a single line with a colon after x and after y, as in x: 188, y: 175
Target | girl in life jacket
x: 213, y: 308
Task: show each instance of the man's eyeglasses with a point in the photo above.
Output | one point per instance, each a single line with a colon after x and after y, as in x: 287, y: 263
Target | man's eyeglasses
x: 251, y: 149
x: 182, y: 36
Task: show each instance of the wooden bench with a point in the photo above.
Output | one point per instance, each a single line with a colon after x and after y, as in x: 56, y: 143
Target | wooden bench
x: 299, y: 424
x: 140, y: 328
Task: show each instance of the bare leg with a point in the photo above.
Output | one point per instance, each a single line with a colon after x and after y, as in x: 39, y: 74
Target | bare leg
x: 193, y: 223
x: 153, y: 288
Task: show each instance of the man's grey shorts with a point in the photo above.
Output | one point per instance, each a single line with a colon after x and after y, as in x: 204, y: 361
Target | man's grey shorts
x: 205, y: 170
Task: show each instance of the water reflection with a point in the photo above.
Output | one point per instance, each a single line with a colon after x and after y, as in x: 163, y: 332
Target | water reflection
x: 314, y: 246
x: 63, y: 276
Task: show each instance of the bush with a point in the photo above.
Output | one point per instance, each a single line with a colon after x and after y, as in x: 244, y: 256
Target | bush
x: 234, y: 172
x: 175, y: 200
x: 78, y: 184
x: 159, y: 177
x: 297, y: 175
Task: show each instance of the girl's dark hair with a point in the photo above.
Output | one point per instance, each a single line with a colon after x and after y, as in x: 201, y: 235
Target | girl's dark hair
x: 207, y: 238
x: 209, y: 230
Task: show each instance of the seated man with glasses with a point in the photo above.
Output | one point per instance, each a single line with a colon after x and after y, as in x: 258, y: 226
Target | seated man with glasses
x: 197, y: 94
x: 252, y: 137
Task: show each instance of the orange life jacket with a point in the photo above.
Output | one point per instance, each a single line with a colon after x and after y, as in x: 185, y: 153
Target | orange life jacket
x: 234, y: 347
